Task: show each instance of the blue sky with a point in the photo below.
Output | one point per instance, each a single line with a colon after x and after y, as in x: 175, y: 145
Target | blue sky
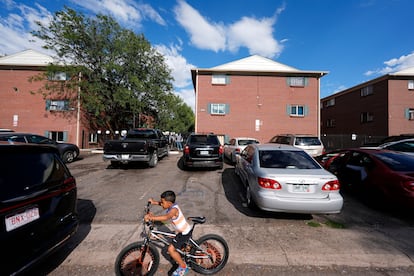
x: 354, y: 40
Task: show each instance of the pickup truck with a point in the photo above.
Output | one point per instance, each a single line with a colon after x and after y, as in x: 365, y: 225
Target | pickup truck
x: 139, y: 145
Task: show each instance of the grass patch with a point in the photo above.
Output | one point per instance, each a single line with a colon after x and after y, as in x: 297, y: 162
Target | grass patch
x: 333, y: 224
x: 313, y: 224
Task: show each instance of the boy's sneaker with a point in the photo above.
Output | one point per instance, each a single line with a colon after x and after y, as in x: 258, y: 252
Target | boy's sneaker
x: 180, y: 271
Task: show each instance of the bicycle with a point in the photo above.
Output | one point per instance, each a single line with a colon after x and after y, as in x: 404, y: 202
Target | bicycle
x: 208, y: 255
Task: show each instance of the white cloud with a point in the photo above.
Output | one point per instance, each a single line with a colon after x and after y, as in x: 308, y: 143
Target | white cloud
x: 16, y: 28
x: 180, y: 69
x: 188, y: 97
x: 181, y: 72
x: 394, y: 65
x: 254, y: 34
x: 126, y: 11
x: 203, y: 34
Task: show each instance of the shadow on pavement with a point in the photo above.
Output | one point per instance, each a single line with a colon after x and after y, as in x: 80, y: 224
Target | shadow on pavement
x: 86, y: 212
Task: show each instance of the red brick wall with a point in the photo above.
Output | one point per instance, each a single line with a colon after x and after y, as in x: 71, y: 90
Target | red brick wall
x: 400, y: 98
x: 252, y: 98
x: 16, y: 99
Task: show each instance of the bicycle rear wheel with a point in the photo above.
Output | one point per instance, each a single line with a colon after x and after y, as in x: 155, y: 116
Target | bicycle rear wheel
x: 213, y: 255
x: 137, y: 259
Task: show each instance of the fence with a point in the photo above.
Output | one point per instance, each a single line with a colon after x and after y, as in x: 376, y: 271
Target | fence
x: 340, y: 141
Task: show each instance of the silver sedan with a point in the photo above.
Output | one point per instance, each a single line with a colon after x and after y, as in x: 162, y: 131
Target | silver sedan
x: 283, y: 178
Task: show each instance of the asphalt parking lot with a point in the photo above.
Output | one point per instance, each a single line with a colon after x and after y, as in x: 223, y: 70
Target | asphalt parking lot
x: 359, y: 241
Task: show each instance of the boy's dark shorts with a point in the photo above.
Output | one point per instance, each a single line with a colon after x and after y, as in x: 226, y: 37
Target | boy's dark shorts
x: 180, y: 239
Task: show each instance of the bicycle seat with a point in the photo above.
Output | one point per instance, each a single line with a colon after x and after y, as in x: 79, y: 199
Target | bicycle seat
x: 197, y: 220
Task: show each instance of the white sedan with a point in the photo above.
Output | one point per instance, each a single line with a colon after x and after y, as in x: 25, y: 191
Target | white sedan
x: 283, y: 178
x: 237, y: 145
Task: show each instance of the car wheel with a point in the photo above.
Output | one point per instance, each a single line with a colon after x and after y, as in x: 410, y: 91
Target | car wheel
x: 69, y: 157
x: 154, y: 160
x: 249, y: 198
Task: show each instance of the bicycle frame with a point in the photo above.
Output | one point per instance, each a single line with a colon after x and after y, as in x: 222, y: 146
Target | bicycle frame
x: 153, y: 236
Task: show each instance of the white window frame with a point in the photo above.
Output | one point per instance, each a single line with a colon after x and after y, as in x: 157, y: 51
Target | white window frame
x: 218, y: 109
x: 58, y: 105
x: 219, y: 79
x: 58, y: 136
x: 294, y: 110
x: 411, y: 114
x: 410, y: 84
x: 367, y: 117
x: 367, y: 90
x: 59, y: 76
x: 330, y: 102
x: 297, y: 81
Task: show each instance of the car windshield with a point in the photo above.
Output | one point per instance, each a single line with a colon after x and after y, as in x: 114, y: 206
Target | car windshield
x: 204, y: 139
x: 397, y: 162
x: 286, y: 159
x: 142, y: 134
x: 307, y: 141
x: 245, y: 142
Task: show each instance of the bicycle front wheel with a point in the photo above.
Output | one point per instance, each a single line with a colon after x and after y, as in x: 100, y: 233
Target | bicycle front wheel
x: 212, y: 255
x: 137, y: 259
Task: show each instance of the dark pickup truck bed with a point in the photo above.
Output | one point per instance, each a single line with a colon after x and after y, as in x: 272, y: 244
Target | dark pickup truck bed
x: 139, y: 145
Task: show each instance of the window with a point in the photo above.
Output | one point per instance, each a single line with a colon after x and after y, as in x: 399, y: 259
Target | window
x: 218, y: 108
x: 367, y: 117
x: 58, y: 76
x: 330, y: 123
x: 297, y: 81
x: 93, y: 138
x: 220, y: 79
x: 366, y: 91
x: 297, y: 110
x: 330, y: 102
x: 57, y: 105
x: 59, y: 136
x: 410, y: 84
x: 409, y: 114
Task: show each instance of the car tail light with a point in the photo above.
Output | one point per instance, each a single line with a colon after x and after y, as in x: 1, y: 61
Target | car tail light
x: 409, y: 185
x: 269, y: 183
x: 187, y: 150
x: 332, y: 185
x: 221, y: 150
x: 237, y: 150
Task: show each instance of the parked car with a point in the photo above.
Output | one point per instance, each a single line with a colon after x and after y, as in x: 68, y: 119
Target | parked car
x: 203, y: 150
x: 6, y: 130
x: 311, y: 144
x: 237, y: 145
x: 68, y: 152
x: 406, y: 146
x: 38, y: 197
x: 283, y: 178
x: 379, y: 176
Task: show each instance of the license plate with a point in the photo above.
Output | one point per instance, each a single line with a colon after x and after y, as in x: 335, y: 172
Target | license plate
x: 21, y: 219
x: 301, y: 188
x: 124, y: 156
x: 204, y: 152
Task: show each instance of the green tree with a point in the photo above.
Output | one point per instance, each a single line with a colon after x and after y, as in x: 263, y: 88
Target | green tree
x: 120, y: 76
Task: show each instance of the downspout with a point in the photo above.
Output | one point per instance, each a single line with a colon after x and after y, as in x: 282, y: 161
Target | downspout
x: 319, y: 106
x: 196, y: 103
x: 78, y: 109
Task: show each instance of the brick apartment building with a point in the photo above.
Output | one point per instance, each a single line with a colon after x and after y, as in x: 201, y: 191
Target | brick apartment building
x: 25, y: 111
x: 369, y: 111
x: 256, y: 97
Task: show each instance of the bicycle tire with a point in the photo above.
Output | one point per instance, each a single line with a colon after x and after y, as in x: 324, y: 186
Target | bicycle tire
x: 128, y: 260
x: 218, y: 249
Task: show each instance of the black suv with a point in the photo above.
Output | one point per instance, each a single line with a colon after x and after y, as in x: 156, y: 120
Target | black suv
x: 68, y: 152
x: 203, y: 150
x: 38, y: 197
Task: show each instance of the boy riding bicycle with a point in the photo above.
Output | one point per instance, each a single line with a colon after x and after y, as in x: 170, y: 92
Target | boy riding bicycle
x: 182, y: 227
